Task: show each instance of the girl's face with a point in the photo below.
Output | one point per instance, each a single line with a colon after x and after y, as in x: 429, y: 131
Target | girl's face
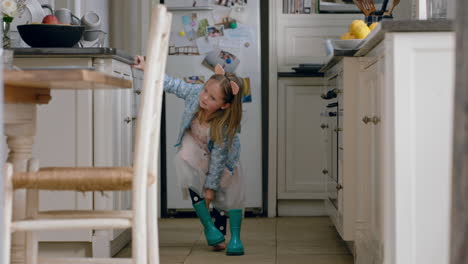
x: 212, y: 98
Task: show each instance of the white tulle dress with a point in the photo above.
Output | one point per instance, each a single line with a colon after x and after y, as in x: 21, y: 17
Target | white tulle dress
x: 192, y: 165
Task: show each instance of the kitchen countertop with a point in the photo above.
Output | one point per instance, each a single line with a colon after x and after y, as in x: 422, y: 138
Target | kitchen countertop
x: 387, y: 27
x: 33, y: 86
x: 75, y: 52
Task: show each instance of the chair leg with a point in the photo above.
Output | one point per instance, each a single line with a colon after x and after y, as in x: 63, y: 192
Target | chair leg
x: 7, y: 215
x: 32, y: 204
x: 153, y: 236
x: 32, y: 208
x: 139, y: 235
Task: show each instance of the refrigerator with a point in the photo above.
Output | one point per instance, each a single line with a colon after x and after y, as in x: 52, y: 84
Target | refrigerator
x: 191, y: 46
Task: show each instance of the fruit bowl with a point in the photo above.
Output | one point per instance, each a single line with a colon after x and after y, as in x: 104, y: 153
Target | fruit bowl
x: 50, y: 35
x: 347, y: 44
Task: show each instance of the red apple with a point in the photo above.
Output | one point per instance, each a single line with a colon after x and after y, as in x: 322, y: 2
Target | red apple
x: 50, y: 19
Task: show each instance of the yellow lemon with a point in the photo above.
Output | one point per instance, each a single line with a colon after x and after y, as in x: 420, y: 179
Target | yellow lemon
x: 347, y: 35
x: 354, y: 25
x: 373, y: 25
x: 362, y: 32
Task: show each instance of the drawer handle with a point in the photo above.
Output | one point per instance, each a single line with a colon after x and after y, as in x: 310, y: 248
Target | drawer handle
x: 338, y: 129
x: 323, y: 126
x: 339, y: 187
x: 129, y: 119
x: 325, y: 171
x: 138, y: 92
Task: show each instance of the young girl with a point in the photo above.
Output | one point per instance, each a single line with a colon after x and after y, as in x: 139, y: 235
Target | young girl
x: 207, y: 159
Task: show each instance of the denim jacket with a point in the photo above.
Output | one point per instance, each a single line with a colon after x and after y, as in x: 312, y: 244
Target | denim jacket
x: 221, y: 155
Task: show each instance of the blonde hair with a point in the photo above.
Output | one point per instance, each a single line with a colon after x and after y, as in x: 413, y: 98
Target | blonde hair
x: 226, y: 121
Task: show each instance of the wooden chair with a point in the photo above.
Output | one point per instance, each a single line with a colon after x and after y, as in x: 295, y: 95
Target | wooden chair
x: 141, y: 179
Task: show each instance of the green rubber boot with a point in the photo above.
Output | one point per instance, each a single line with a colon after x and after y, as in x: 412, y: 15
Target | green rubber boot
x: 235, y: 247
x: 212, y: 234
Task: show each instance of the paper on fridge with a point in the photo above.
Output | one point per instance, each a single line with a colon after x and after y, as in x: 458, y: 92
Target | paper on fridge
x: 242, y: 32
x: 230, y: 43
x: 205, y: 45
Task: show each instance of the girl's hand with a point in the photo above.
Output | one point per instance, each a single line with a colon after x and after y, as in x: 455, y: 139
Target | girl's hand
x: 139, y: 62
x: 209, y: 196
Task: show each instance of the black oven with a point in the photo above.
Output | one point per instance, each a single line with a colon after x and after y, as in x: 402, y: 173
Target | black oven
x: 331, y: 116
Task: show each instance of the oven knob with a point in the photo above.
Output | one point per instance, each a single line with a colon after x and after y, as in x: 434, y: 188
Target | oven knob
x: 325, y: 171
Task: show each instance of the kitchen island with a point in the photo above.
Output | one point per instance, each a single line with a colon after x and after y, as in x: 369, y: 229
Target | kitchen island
x: 394, y: 150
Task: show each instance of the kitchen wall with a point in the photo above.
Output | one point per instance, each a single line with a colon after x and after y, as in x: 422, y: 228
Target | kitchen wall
x: 129, y: 22
x: 403, y: 11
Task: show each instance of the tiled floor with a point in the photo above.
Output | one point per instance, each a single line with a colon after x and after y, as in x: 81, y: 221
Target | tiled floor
x: 288, y: 240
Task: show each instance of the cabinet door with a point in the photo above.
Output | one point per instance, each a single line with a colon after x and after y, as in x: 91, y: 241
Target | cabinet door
x: 368, y: 229
x: 300, y: 140
x: 301, y: 38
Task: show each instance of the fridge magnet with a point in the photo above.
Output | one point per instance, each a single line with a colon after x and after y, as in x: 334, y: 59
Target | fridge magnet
x: 195, y: 79
x: 202, y: 25
x: 226, y: 59
x: 216, y: 31
x: 246, y: 92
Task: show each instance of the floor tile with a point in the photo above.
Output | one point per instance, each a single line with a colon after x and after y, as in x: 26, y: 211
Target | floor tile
x: 287, y: 240
x: 315, y: 259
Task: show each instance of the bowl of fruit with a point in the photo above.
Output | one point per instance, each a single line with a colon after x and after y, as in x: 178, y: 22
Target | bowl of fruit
x: 352, y: 40
x: 50, y: 33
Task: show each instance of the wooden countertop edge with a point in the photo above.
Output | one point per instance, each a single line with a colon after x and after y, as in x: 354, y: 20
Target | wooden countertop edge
x: 64, y: 79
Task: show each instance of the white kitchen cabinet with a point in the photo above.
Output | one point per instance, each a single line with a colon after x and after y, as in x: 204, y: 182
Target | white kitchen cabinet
x: 405, y: 149
x: 417, y: 158
x: 301, y: 37
x: 79, y: 129
x: 300, y: 148
x: 369, y: 199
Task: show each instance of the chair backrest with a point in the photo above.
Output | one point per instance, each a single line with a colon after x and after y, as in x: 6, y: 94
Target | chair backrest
x: 149, y: 118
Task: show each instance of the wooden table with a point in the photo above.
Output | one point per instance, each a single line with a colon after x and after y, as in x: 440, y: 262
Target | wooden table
x: 24, y: 90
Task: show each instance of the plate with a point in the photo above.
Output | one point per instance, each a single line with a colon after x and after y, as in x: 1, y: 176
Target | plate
x: 33, y: 12
x: 347, y: 44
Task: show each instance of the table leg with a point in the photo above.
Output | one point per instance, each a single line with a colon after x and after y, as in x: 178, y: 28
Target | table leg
x: 20, y: 129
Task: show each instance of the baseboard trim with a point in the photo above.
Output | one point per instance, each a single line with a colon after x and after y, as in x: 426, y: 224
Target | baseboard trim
x: 301, y: 208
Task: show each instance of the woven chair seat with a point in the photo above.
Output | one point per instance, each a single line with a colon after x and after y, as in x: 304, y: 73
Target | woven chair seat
x: 77, y: 179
